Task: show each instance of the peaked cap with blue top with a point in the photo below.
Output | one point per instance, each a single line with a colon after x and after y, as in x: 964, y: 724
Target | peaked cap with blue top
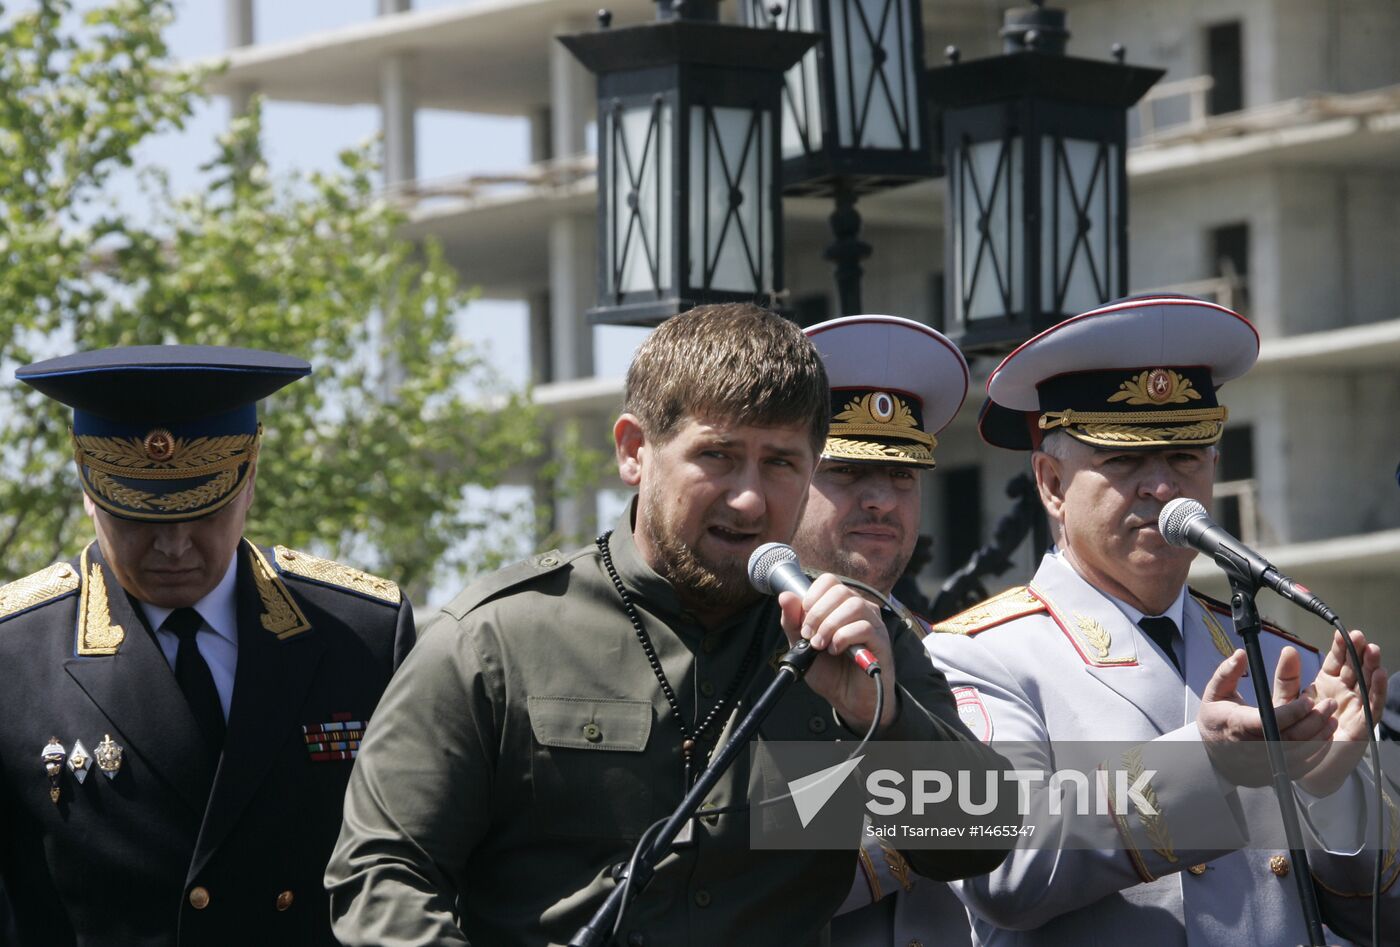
x: 164, y: 433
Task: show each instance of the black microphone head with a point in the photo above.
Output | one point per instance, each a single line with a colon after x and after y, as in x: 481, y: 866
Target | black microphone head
x: 1175, y: 516
x: 764, y: 560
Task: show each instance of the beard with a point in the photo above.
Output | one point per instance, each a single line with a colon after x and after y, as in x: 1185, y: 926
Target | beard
x: 700, y: 584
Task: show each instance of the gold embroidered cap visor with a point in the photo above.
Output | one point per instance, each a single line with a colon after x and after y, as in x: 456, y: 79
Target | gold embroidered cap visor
x: 877, y: 427
x: 164, y: 433
x: 1135, y: 374
x: 894, y: 384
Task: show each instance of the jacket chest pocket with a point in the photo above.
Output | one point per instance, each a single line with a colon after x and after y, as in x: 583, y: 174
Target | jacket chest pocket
x: 589, y: 768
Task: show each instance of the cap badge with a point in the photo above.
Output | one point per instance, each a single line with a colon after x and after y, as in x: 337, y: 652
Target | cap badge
x: 882, y: 406
x: 878, y: 407
x: 160, y: 445
x: 1158, y: 386
x: 53, y: 756
x: 109, y: 757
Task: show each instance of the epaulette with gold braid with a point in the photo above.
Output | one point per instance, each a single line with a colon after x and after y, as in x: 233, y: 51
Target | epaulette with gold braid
x: 1013, y: 603
x: 329, y: 572
x: 1216, y: 605
x: 43, y: 586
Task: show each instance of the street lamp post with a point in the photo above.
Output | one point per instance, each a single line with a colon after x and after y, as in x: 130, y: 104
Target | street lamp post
x: 689, y: 202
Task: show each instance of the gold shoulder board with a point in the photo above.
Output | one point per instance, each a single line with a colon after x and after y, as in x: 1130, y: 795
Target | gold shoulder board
x: 1013, y: 603
x: 1215, y: 605
x: 43, y: 586
x: 333, y: 573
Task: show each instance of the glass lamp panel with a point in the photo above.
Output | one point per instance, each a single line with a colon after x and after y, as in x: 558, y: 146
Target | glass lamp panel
x: 639, y: 237
x: 1079, y: 246
x: 987, y: 213
x: 731, y: 188
x: 873, y: 73
x: 802, y: 99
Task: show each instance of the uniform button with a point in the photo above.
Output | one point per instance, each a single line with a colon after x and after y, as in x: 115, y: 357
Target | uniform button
x: 710, y: 643
x: 284, y: 900
x: 1197, y: 869
x: 199, y: 897
x: 549, y: 560
x: 635, y: 939
x: 1279, y: 866
x: 817, y: 724
x: 707, y: 689
x: 592, y: 732
x: 702, y: 898
x: 916, y: 943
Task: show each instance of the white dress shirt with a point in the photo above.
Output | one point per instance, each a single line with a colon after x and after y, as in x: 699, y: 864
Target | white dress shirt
x: 217, y: 639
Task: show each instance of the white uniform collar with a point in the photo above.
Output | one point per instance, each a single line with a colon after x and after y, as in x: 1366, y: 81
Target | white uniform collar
x: 1176, y: 611
x: 218, y: 609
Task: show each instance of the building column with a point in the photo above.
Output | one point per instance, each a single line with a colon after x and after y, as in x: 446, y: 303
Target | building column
x: 572, y: 93
x: 571, y: 288
x: 238, y: 28
x: 397, y: 109
x: 567, y: 336
x: 541, y: 356
x: 541, y: 129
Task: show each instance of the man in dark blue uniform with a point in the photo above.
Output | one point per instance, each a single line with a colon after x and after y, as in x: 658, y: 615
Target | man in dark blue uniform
x: 181, y: 707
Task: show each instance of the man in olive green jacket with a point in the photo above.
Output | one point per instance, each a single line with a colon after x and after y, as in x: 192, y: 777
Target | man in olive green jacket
x: 555, y: 710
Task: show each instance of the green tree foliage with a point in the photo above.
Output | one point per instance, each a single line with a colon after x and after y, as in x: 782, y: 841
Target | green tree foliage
x: 371, y: 458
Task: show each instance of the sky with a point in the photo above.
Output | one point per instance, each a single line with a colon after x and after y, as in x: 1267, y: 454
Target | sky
x: 308, y: 137
x: 300, y: 137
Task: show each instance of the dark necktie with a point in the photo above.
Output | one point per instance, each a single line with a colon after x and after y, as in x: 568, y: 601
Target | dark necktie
x: 194, y: 678
x: 1162, y: 630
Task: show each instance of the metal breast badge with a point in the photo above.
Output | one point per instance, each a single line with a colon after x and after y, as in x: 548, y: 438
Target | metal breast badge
x: 54, y: 756
x: 79, y: 761
x: 109, y: 756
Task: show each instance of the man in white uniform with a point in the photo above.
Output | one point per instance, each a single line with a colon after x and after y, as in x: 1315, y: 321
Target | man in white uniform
x: 1107, y: 643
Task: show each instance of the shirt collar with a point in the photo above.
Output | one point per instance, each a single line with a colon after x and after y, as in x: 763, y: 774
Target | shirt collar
x: 1174, y: 611
x: 218, y: 609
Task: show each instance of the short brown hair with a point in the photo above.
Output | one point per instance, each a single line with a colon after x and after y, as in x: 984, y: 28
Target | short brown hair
x: 734, y: 362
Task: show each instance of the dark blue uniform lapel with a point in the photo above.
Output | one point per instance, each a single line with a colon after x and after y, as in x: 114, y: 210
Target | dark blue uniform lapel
x: 136, y: 690
x: 270, y: 687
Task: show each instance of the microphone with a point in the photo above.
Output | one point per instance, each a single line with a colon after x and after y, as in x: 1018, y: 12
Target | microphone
x: 773, y: 568
x: 1184, y: 522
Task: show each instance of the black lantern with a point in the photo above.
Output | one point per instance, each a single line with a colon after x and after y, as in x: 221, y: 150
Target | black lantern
x: 853, y: 112
x: 1037, y: 201
x: 689, y: 210
x: 853, y: 108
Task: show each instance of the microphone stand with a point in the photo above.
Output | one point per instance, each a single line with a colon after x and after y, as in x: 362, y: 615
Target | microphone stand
x: 598, y: 931
x: 1246, y: 616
